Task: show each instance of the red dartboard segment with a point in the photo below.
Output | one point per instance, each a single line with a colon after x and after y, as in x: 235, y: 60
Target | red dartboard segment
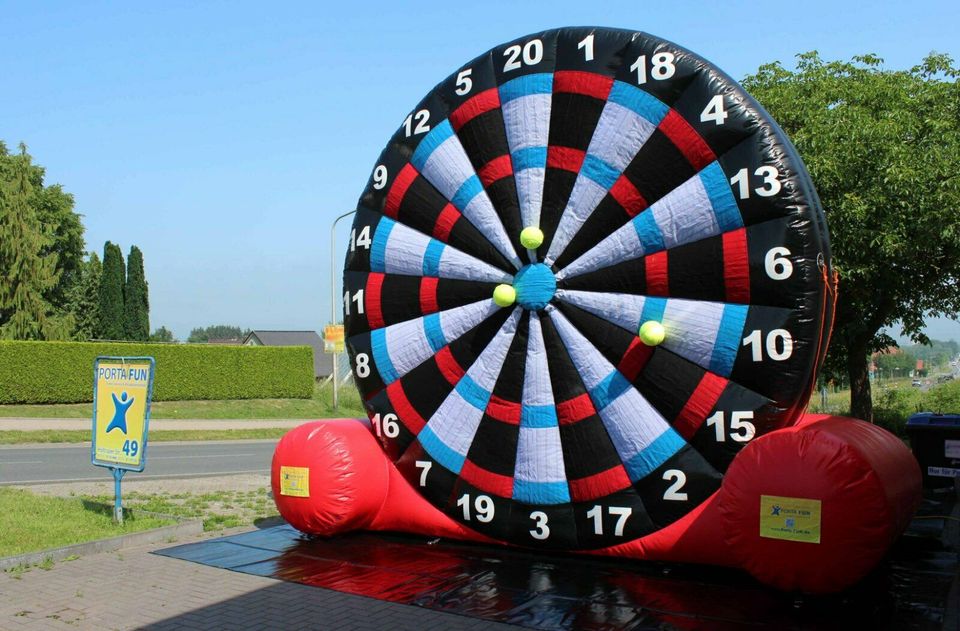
x: 565, y: 158
x: 585, y: 83
x: 703, y: 399
x: 687, y: 140
x: 474, y: 107
x: 658, y: 274
x: 428, y: 294
x: 736, y: 266
x: 372, y: 300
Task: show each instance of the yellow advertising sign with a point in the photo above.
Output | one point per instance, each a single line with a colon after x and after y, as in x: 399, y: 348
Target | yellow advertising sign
x: 333, y: 337
x: 295, y: 481
x: 121, y: 409
x: 790, y: 518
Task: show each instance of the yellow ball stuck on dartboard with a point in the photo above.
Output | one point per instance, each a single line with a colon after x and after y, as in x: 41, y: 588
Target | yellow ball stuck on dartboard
x: 652, y: 333
x: 504, y: 295
x: 531, y: 237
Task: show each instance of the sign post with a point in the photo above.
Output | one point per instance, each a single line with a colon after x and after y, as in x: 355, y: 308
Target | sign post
x: 333, y: 342
x: 122, y: 389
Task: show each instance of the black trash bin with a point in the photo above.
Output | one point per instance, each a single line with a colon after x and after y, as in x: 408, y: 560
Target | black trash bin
x: 935, y: 439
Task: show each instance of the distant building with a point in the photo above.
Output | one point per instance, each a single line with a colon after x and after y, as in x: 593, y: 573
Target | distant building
x: 225, y: 341
x: 322, y: 362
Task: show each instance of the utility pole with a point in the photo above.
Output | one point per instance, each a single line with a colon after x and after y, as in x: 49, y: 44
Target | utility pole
x: 333, y: 304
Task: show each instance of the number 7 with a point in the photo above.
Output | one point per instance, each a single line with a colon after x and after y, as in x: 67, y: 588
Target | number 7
x: 425, y: 465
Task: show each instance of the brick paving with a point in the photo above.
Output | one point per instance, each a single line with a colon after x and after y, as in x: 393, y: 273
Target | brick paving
x: 133, y: 589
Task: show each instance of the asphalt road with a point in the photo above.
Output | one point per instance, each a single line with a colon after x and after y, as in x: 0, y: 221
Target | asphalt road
x: 71, y: 463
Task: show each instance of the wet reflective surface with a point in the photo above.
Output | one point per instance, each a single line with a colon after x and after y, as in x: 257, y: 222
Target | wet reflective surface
x: 910, y: 590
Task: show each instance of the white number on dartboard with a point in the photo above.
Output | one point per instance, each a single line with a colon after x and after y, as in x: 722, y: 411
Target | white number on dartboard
x: 741, y: 429
x: 542, y: 531
x: 386, y: 426
x: 361, y: 240
x: 714, y: 111
x: 424, y: 466
x: 357, y: 298
x: 661, y: 67
x: 779, y: 345
x: 482, y: 505
x: 673, y: 491
x: 622, y: 513
x: 421, y: 119
x: 363, y: 365
x: 776, y: 263
x: 531, y: 54
x: 586, y: 45
x: 464, y: 82
x: 771, y: 185
x: 379, y: 177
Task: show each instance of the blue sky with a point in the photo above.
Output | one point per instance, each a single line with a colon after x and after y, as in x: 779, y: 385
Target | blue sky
x: 223, y: 138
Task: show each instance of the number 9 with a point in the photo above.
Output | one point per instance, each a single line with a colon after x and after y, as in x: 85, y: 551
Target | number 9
x: 379, y: 177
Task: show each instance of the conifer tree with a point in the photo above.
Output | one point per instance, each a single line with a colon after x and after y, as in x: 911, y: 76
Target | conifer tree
x: 111, y: 325
x: 136, y: 302
x: 84, y: 299
x: 26, y: 270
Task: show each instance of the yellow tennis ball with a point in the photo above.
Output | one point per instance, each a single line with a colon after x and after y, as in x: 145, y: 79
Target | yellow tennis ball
x: 531, y: 237
x: 504, y: 295
x: 652, y: 333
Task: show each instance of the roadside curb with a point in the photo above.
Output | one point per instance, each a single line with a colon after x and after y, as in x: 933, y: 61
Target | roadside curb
x: 183, y: 529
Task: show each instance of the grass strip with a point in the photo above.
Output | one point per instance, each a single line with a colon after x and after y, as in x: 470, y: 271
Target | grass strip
x: 29, y: 523
x: 17, y: 437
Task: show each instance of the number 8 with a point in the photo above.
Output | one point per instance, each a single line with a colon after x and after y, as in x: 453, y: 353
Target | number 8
x: 363, y: 365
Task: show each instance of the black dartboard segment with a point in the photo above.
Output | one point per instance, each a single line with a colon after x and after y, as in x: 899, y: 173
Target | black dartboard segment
x: 505, y: 374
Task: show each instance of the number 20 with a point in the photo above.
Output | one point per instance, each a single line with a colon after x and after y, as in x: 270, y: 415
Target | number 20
x: 532, y: 55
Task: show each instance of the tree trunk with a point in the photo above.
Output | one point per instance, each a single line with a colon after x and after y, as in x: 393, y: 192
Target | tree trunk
x: 861, y: 404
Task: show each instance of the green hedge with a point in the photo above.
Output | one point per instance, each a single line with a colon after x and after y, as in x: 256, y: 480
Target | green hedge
x: 62, y: 372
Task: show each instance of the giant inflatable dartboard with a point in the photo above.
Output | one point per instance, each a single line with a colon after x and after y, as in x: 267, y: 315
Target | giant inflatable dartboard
x: 649, y: 188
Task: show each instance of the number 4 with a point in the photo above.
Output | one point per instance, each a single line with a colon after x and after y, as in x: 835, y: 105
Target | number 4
x: 714, y: 111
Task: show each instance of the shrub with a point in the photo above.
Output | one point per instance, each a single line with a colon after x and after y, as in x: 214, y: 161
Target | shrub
x: 62, y: 372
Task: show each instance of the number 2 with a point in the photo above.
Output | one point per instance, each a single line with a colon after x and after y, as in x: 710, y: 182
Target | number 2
x: 673, y: 491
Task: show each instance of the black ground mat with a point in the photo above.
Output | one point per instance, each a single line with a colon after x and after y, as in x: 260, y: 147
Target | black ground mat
x: 916, y: 586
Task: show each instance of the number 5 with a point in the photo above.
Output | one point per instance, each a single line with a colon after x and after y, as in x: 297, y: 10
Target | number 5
x: 464, y: 82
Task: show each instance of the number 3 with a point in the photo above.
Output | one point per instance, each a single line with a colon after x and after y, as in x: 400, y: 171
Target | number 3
x: 542, y: 531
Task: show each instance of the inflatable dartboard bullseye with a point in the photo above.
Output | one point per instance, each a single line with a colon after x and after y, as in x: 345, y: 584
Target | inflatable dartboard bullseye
x: 587, y: 271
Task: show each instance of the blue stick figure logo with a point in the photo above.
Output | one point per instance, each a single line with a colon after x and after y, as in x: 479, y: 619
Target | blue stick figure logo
x: 120, y: 406
x: 775, y: 509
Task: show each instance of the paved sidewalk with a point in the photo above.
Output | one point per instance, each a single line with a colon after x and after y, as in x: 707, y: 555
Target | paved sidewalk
x: 133, y: 589
x: 155, y: 424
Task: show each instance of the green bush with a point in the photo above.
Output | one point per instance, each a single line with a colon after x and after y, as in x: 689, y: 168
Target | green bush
x: 62, y: 372
x: 943, y: 399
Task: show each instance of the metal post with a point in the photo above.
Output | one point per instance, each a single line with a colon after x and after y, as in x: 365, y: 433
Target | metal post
x: 333, y: 304
x: 117, y: 504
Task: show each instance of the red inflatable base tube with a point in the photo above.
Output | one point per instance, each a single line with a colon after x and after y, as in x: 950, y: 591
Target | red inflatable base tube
x: 850, y: 487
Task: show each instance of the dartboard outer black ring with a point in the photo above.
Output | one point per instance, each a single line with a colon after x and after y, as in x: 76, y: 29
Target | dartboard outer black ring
x: 662, y: 193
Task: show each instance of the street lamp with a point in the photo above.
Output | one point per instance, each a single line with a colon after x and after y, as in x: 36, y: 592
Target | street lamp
x: 333, y: 303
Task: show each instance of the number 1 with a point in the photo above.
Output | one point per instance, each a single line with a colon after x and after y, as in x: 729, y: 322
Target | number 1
x: 586, y: 44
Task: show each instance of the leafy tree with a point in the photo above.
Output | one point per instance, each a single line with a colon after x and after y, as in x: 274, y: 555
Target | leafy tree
x: 216, y: 332
x: 111, y: 325
x: 136, y: 303
x: 163, y: 334
x: 896, y: 363
x: 28, y: 269
x: 53, y: 208
x: 883, y: 148
x: 83, y: 299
